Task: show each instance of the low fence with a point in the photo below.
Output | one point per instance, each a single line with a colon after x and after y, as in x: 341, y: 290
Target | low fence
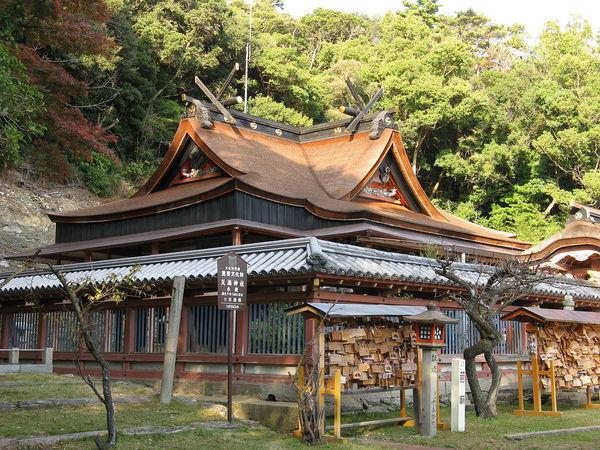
x: 268, y: 343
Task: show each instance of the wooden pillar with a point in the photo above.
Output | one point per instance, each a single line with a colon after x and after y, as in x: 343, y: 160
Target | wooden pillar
x: 166, y: 387
x: 236, y: 236
x: 241, y: 344
x: 5, y: 332
x: 320, y: 354
x: 88, y: 256
x: 42, y: 330
x: 129, y: 338
x: 183, y: 337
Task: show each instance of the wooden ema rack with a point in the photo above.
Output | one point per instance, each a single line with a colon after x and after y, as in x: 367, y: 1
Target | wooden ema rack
x: 535, y: 374
x: 333, y: 386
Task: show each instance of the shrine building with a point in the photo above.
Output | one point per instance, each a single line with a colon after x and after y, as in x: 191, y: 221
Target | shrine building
x: 321, y: 214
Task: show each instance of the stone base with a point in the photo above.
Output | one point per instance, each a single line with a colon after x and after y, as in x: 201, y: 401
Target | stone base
x: 278, y: 416
x: 25, y: 368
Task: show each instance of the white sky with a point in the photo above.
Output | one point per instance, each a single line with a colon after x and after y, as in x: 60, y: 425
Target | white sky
x: 531, y: 13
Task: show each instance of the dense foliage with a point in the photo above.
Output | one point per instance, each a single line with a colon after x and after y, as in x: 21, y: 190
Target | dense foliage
x: 501, y: 130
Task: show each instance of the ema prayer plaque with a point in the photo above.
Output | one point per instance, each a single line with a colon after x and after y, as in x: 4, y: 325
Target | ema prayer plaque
x: 232, y: 279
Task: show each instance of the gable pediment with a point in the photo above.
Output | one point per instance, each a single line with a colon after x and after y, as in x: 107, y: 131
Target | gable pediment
x: 384, y: 187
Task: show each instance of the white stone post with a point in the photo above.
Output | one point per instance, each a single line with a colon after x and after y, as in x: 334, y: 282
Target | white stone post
x: 47, y: 356
x: 458, y: 395
x: 429, y: 392
x: 13, y: 356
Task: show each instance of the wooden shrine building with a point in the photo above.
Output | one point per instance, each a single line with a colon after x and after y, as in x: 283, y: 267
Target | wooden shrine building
x: 575, y: 250
x: 321, y: 214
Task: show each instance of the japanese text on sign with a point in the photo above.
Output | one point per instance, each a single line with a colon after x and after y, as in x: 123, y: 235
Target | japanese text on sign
x: 232, y: 280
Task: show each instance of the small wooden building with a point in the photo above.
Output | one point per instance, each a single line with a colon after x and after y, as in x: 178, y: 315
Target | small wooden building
x: 575, y: 250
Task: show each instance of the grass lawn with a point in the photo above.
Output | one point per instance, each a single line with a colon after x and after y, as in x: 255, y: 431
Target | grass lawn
x: 43, y: 387
x: 242, y: 439
x: 62, y: 420
x: 480, y: 434
x: 489, y: 434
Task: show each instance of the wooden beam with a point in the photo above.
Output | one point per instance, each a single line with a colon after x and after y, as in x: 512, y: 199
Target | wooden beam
x: 228, y: 117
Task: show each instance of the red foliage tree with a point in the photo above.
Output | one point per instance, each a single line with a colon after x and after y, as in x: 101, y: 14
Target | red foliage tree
x: 51, y: 39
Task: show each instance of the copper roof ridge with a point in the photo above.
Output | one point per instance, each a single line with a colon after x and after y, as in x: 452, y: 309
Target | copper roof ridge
x: 325, y: 130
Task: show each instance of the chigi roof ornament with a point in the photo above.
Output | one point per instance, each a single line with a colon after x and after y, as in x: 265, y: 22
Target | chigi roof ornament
x: 197, y: 108
x: 379, y: 122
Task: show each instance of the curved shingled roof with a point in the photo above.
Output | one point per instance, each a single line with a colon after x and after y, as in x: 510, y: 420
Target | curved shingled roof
x: 322, y: 175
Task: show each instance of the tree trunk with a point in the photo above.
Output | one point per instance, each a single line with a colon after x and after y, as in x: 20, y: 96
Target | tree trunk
x: 106, y: 397
x: 492, y: 395
x: 482, y: 408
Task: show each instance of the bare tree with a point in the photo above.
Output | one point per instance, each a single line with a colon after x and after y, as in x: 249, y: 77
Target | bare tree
x: 485, y: 294
x: 311, y: 412
x: 84, y: 296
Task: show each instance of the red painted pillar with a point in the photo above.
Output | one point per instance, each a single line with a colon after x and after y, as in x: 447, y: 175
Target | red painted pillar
x: 42, y: 330
x: 129, y: 338
x: 241, y: 341
x: 183, y: 338
x: 5, y: 332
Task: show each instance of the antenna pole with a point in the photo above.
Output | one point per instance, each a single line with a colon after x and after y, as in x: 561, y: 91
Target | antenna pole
x: 248, y: 49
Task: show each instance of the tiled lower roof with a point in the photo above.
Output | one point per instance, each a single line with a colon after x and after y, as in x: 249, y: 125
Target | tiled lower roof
x: 285, y: 258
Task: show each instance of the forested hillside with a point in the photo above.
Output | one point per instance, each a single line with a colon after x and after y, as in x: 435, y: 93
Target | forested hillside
x: 501, y: 130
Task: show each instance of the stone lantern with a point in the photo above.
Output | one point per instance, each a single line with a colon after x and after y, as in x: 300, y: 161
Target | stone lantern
x: 430, y: 330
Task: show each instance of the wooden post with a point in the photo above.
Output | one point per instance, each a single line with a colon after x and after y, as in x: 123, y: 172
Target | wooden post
x: 553, y: 387
x: 230, y: 344
x: 42, y: 330
x: 166, y: 387
x: 236, y: 236
x: 403, y: 412
x: 337, y: 403
x: 183, y: 330
x: 535, y: 378
x: 241, y: 339
x: 520, y: 385
x: 5, y: 332
x: 129, y: 338
x: 321, y: 359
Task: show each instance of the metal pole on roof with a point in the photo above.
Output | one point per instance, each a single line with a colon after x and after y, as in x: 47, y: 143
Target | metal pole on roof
x: 248, y: 49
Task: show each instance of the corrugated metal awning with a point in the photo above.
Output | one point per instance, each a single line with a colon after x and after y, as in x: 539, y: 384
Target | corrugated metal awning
x: 340, y: 310
x: 285, y: 258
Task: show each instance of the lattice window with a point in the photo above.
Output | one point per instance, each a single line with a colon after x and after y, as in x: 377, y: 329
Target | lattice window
x: 108, y: 329
x: 151, y: 329
x: 425, y: 332
x: 464, y: 334
x: 23, y: 331
x: 208, y: 330
x: 272, y: 331
x: 62, y: 331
